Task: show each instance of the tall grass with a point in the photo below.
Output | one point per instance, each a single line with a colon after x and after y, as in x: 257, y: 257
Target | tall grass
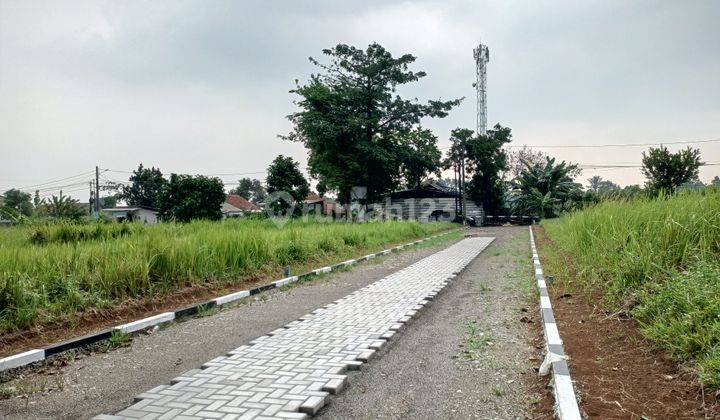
x: 78, y: 232
x: 39, y: 283
x: 660, y: 257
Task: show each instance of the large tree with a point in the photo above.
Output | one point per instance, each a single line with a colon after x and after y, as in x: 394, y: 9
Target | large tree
x: 354, y: 124
x: 187, y: 198
x: 251, y: 189
x: 665, y: 171
x: 18, y: 201
x: 421, y: 158
x: 145, y: 187
x: 485, y: 162
x: 284, y: 177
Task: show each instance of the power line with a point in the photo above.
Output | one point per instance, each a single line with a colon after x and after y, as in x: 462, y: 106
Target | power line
x: 60, y: 187
x: 29, y: 187
x: 577, y: 146
x: 574, y: 146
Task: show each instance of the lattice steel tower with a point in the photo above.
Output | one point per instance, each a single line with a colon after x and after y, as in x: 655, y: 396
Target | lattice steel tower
x: 482, y: 56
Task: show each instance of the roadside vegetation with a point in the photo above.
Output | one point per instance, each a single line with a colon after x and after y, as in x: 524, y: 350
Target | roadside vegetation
x: 658, y: 259
x: 75, y: 269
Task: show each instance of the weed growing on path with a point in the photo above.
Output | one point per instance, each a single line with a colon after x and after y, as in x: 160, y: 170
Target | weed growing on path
x: 117, y: 339
x: 476, y: 339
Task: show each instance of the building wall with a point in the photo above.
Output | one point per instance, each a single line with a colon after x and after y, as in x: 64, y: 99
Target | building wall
x: 146, y: 216
x: 425, y: 209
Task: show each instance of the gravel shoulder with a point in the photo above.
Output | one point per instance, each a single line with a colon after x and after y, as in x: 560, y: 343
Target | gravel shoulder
x: 469, y: 354
x: 108, y: 382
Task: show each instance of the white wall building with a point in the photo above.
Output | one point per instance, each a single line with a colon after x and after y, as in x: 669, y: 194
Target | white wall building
x: 132, y: 214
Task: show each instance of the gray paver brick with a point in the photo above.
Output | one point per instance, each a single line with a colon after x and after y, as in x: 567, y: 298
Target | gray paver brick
x: 293, y: 368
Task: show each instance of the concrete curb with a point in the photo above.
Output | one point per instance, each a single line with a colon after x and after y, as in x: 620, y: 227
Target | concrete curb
x: 38, y: 355
x: 566, y: 407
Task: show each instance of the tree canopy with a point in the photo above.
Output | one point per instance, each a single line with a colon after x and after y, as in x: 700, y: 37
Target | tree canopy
x: 251, y: 189
x: 284, y: 176
x: 18, y: 201
x: 421, y: 158
x: 64, y: 207
x: 354, y: 124
x: 666, y: 171
x: 146, y: 185
x: 601, y: 186
x: 187, y: 198
x: 485, y: 162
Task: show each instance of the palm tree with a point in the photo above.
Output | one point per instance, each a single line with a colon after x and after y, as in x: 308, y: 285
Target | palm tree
x: 545, y: 189
x: 64, y: 207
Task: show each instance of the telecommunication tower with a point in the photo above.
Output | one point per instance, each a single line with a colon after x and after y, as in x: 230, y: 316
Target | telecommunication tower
x: 482, y: 56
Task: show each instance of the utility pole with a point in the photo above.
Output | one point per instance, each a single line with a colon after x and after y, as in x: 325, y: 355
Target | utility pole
x: 91, y: 202
x: 97, y: 190
x: 455, y: 175
x: 462, y: 184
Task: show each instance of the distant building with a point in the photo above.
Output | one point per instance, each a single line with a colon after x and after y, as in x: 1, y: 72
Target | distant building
x: 228, y: 210
x: 133, y: 214
x: 326, y: 206
x: 236, y: 206
x: 425, y: 204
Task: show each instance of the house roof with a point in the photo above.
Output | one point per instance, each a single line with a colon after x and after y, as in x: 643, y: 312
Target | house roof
x: 424, y: 192
x: 313, y: 198
x: 241, y: 203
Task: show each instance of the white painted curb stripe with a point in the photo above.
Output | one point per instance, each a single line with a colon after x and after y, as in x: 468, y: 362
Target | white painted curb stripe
x: 322, y: 270
x: 222, y: 300
x: 566, y: 407
x: 146, y: 322
x: 283, y: 282
x: 22, y: 359
x: 552, y: 334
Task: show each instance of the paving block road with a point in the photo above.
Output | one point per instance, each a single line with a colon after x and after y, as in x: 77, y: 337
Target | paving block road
x: 290, y: 372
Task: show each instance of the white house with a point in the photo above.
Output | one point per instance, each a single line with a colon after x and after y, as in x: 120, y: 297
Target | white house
x: 143, y: 214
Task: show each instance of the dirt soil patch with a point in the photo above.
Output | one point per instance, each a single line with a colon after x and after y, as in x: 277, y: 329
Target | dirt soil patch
x: 617, y: 372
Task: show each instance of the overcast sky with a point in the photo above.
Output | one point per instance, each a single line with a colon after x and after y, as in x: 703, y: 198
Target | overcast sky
x: 201, y: 87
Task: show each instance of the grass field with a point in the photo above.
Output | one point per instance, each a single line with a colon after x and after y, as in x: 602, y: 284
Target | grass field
x: 660, y: 259
x: 57, y: 271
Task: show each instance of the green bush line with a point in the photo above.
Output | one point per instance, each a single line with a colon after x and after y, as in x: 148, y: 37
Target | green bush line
x: 659, y: 258
x: 41, y: 283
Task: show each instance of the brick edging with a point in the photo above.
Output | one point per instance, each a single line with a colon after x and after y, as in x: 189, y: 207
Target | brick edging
x: 38, y: 355
x: 566, y: 406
